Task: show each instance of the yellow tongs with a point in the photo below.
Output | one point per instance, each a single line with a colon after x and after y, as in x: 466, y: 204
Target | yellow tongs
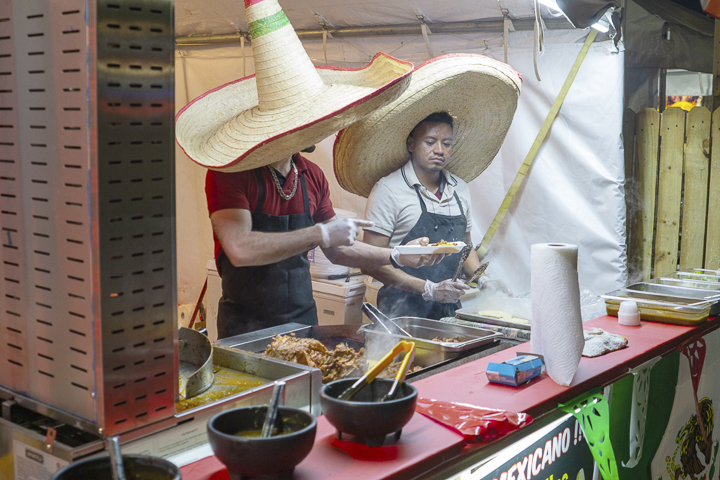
x: 408, y: 347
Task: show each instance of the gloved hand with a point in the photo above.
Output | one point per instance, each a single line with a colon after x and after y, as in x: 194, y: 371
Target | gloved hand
x: 487, y: 283
x: 446, y: 291
x: 341, y: 232
x: 416, y: 261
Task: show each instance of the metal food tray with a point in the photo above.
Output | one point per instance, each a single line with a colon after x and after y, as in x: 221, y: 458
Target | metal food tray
x: 662, y: 292
x: 423, y: 330
x: 471, y: 314
x: 674, y: 310
x: 302, y: 382
x: 697, y: 274
x: 686, y: 283
x: 302, y: 390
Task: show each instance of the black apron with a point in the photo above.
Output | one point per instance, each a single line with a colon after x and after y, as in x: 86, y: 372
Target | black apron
x: 399, y: 303
x: 265, y: 296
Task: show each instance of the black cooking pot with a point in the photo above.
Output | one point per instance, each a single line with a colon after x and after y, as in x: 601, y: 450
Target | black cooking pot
x: 365, y: 416
x: 137, y: 467
x: 250, y: 456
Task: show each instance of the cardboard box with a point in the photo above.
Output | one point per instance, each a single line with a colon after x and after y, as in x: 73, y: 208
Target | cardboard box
x: 515, y: 371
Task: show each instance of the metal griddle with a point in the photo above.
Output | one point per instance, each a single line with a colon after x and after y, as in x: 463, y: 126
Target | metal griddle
x: 331, y: 335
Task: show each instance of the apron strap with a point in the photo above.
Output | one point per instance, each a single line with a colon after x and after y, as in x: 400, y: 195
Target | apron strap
x: 306, y: 200
x: 459, y: 204
x: 422, y: 202
x: 261, y: 191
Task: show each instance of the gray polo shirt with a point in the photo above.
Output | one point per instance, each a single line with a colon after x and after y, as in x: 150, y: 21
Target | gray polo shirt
x: 394, y: 206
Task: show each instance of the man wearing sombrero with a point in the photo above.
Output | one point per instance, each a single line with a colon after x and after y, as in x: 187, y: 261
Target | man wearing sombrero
x: 267, y: 203
x: 413, y: 158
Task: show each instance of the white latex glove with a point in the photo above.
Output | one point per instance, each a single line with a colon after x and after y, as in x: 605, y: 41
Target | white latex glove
x: 416, y: 261
x: 487, y: 283
x: 341, y: 232
x: 446, y: 291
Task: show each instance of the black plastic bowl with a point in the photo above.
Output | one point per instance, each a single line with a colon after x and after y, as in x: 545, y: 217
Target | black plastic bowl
x: 365, y: 416
x: 136, y: 467
x: 246, y: 456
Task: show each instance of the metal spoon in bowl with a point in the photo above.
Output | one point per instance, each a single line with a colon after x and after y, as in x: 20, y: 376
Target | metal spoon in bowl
x: 116, y: 461
x: 275, y: 401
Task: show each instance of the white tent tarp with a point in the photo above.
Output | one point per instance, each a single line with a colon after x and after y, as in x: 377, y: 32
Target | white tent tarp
x: 574, y: 192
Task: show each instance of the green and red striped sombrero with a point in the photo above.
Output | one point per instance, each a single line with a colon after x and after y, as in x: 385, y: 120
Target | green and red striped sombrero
x: 288, y: 105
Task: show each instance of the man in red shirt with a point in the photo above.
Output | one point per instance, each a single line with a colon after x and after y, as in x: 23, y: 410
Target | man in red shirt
x: 264, y: 222
x: 276, y: 207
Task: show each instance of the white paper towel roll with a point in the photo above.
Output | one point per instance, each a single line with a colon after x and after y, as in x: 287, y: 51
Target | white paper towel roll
x: 556, y: 323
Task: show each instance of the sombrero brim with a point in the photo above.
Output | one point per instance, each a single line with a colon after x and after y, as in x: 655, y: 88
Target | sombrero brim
x: 479, y: 92
x: 225, y: 130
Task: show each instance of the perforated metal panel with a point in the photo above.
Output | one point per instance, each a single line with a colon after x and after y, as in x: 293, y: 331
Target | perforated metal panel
x: 87, y: 208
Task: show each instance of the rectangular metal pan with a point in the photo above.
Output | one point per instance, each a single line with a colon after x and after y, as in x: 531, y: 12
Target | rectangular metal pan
x: 663, y: 309
x: 423, y: 331
x: 701, y: 274
x: 686, y: 283
x: 471, y: 314
x: 676, y: 292
x: 302, y: 389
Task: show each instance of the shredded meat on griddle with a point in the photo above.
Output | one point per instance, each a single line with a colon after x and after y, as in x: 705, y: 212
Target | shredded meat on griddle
x: 447, y: 340
x: 341, y: 362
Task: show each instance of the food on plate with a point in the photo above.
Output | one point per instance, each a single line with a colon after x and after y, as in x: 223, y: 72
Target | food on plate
x: 499, y: 314
x: 443, y: 243
x: 341, y: 362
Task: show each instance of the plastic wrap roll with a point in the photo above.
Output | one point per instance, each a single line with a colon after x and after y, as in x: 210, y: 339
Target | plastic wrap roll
x: 556, y: 325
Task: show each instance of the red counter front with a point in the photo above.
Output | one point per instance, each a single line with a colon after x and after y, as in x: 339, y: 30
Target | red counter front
x: 425, y: 444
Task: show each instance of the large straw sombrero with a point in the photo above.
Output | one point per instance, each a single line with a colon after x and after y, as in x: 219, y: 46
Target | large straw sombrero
x: 479, y: 92
x: 288, y: 105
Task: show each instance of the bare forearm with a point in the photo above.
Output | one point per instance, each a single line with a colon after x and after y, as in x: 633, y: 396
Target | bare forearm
x: 473, y: 262
x: 253, y: 248
x: 359, y: 254
x: 396, y: 278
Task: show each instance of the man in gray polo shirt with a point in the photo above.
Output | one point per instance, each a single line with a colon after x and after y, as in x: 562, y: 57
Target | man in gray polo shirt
x: 421, y: 200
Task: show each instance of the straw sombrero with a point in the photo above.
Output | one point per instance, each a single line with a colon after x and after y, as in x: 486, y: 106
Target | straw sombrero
x: 479, y: 92
x: 288, y: 105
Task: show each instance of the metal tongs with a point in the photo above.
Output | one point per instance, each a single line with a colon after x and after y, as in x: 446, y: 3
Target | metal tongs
x: 476, y: 274
x: 464, y: 254
x: 408, y: 347
x: 377, y: 317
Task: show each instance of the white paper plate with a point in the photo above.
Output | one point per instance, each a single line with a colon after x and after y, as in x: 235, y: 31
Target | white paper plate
x: 422, y: 250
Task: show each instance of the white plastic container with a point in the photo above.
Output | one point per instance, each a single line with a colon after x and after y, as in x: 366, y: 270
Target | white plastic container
x: 628, y: 314
x: 339, y: 302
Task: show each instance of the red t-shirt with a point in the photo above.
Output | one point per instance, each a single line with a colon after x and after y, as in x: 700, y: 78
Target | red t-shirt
x: 240, y: 190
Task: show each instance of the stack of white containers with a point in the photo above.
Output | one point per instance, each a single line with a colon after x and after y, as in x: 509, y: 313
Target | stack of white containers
x: 338, y: 301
